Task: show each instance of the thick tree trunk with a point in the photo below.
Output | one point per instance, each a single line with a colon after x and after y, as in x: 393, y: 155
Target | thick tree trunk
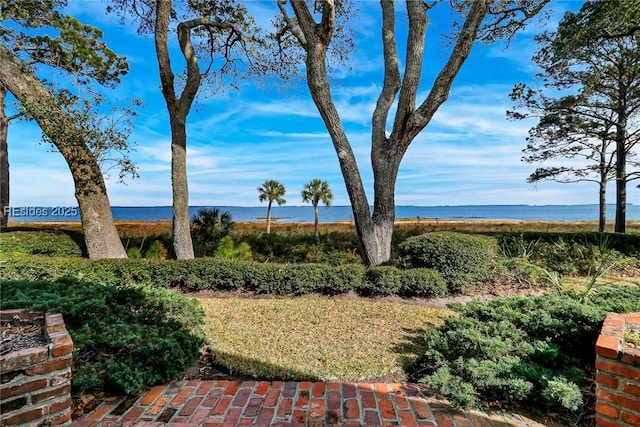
x: 621, y: 173
x: 100, y: 233
x: 269, y: 217
x: 4, y: 161
x: 182, y: 243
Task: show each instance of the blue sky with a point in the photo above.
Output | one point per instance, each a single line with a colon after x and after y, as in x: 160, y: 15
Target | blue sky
x: 469, y: 154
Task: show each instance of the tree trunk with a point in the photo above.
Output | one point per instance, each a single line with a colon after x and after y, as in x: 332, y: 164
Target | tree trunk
x: 4, y: 161
x: 602, y: 220
x: 269, y: 217
x: 182, y: 243
x: 316, y: 232
x: 621, y: 172
x: 100, y: 233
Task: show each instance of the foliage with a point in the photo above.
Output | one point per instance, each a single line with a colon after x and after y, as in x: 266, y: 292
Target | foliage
x: 125, y: 338
x: 134, y: 253
x: 156, y: 251
x: 226, y: 250
x: 419, y: 282
x: 531, y: 349
x: 208, y: 226
x: 49, y: 242
x: 464, y: 260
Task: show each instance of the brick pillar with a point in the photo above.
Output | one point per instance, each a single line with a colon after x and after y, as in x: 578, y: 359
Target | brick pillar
x: 617, y: 374
x: 35, y: 383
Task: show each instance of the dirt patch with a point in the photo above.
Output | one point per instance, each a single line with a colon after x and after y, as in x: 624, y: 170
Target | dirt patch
x: 21, y: 333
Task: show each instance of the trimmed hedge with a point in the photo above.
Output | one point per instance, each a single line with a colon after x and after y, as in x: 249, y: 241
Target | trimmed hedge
x: 537, y: 350
x: 126, y: 338
x: 216, y: 274
x: 420, y: 282
x: 49, y: 242
x: 464, y: 260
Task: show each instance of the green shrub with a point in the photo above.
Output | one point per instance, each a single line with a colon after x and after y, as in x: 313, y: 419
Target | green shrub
x: 49, y: 242
x: 464, y: 260
x: 156, y: 251
x: 134, y: 253
x: 384, y: 280
x: 531, y: 349
x: 520, y: 270
x: 208, y: 226
x: 227, y: 250
x: 191, y: 275
x: 125, y: 338
x: 422, y: 282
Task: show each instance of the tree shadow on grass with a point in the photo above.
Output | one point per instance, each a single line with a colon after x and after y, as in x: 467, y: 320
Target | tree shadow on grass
x: 409, y: 349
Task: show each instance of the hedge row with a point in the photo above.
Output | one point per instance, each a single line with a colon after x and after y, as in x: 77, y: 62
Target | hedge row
x: 208, y: 273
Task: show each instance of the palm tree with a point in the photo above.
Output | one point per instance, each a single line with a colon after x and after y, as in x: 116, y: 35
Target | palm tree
x: 271, y: 190
x: 316, y: 191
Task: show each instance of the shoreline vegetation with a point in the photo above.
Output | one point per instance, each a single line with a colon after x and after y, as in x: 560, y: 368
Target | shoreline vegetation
x: 150, y: 228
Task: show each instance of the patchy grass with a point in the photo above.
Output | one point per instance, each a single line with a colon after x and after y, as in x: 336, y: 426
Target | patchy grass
x: 316, y: 339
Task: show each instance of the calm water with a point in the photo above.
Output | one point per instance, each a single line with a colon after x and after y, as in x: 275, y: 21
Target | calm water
x: 341, y: 213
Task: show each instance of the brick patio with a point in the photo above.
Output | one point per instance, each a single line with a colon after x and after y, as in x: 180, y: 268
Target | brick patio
x: 277, y: 403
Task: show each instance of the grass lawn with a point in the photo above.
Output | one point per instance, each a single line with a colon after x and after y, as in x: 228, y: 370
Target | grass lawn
x: 316, y: 338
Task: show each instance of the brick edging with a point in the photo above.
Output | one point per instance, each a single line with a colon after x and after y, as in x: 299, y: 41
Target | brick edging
x: 617, y: 374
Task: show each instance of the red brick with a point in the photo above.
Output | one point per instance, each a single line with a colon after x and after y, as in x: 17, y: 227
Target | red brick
x: 262, y: 388
x: 631, y: 357
x: 222, y: 406
x: 421, y: 409
x: 333, y: 386
x: 631, y: 387
x: 348, y: 390
x: 53, y: 365
x: 316, y: 408
x: 351, y: 408
x: 401, y: 401
x: 157, y: 407
x: 299, y: 417
x: 366, y: 386
x: 51, y: 394
x: 7, y: 392
x: 61, y: 378
x: 253, y: 407
x: 99, y: 413
x: 232, y: 388
x: 618, y: 369
x: 62, y: 345
x: 247, y: 384
x: 386, y: 409
x: 305, y: 385
x: 24, y: 417
x: 266, y: 417
x: 285, y: 407
x: 606, y: 410
x: 613, y: 324
x: 232, y: 416
x: 241, y: 398
x: 133, y: 414
x: 606, y: 380
x: 443, y: 419
x: 318, y: 390
x: 199, y: 416
x: 289, y: 389
x: 204, y: 388
x: 181, y: 397
x: 407, y: 419
x: 603, y: 422
x: 629, y: 418
x: 608, y: 346
x: 333, y: 417
x: 371, y: 418
x: 151, y: 395
x: 23, y: 358
x: 381, y: 390
x: 333, y: 400
x: 368, y: 399
x: 60, y: 419
x: 618, y: 399
x: 272, y: 397
x: 632, y: 318
x: 211, y: 399
x: 302, y: 402
x: 54, y: 322
x: 277, y: 384
x: 60, y: 406
x: 190, y: 407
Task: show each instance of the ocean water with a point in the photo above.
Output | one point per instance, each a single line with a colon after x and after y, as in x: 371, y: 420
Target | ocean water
x: 339, y: 213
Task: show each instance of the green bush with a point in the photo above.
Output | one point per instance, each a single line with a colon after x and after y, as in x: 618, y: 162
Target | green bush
x: 125, y: 338
x: 422, y: 282
x: 50, y: 242
x: 384, y: 280
x: 464, y: 260
x: 530, y: 349
x: 156, y: 251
